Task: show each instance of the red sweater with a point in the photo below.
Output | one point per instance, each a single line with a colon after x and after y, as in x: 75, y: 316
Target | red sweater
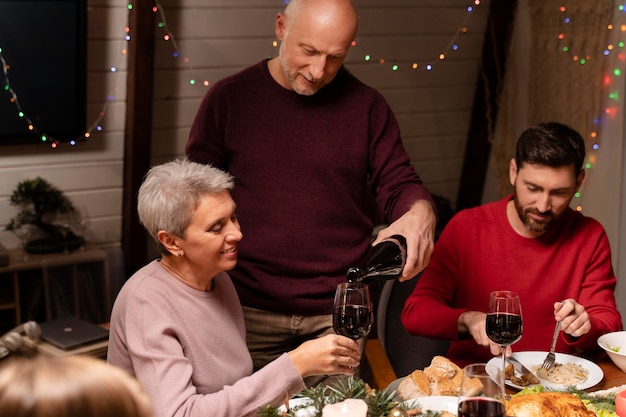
x: 479, y: 252
x: 306, y: 168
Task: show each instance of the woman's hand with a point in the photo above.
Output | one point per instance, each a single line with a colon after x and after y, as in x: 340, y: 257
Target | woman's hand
x: 328, y: 355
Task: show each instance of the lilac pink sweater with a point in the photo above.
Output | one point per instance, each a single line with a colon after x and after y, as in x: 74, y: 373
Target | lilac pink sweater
x: 188, y: 349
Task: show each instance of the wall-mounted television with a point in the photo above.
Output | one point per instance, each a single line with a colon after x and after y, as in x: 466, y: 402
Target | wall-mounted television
x: 43, y: 43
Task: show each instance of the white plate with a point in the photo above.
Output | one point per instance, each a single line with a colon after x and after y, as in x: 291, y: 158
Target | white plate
x: 532, y: 360
x: 293, y: 403
x: 393, y: 386
x: 435, y: 403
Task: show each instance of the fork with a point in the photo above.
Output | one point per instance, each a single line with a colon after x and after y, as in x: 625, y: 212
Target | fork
x: 548, y: 362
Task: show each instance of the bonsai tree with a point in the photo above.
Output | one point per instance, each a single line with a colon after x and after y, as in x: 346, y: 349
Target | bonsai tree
x: 39, y: 202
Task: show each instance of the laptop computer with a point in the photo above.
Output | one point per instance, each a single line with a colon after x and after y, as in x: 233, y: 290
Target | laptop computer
x: 71, y: 332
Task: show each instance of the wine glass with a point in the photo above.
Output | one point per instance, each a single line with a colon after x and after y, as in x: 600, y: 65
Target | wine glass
x: 352, y: 314
x: 479, y: 394
x: 80, y: 223
x: 23, y: 231
x: 63, y: 221
x: 504, y: 322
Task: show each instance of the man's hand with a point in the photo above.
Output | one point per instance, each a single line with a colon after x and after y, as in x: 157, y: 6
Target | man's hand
x: 474, y: 323
x: 574, y: 317
x: 418, y: 228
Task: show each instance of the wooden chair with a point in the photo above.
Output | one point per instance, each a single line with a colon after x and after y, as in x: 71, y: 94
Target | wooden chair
x: 396, y: 353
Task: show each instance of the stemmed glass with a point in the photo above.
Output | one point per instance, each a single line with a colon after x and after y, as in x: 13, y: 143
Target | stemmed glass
x: 23, y: 231
x: 479, y: 394
x: 352, y: 314
x: 504, y: 322
x: 63, y: 221
x: 80, y: 224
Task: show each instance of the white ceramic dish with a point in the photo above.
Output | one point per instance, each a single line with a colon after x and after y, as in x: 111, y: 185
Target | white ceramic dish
x: 614, y: 344
x: 394, y: 385
x: 435, y: 403
x: 295, y: 402
x: 532, y: 360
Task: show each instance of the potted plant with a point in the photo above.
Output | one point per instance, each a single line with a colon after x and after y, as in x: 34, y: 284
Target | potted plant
x: 42, y: 205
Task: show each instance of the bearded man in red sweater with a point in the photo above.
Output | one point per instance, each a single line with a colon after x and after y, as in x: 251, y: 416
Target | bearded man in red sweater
x: 531, y: 242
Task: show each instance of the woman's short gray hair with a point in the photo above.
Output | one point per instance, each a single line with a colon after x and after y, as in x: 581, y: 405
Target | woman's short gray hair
x: 171, y: 193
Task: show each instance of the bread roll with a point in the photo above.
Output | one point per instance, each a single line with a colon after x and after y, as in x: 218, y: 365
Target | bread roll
x: 414, y: 385
x: 441, y: 367
x: 445, y: 386
x: 472, y: 388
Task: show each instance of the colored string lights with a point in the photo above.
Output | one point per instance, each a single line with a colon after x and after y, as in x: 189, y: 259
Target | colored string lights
x: 452, y: 46
x: 169, y: 36
x: 611, y: 78
x: 31, y: 126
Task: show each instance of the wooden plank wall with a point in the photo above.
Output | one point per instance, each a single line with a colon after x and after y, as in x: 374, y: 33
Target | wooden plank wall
x: 215, y: 38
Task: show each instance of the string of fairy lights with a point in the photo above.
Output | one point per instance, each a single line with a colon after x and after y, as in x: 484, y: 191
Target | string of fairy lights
x: 451, y: 47
x: 168, y: 36
x: 611, y: 75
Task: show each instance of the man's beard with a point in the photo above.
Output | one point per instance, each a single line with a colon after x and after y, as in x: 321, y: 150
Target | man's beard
x: 292, y: 75
x: 530, y: 223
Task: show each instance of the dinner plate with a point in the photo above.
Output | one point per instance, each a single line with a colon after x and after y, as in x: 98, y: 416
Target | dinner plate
x: 393, y: 386
x: 295, y: 403
x: 435, y: 403
x: 532, y: 360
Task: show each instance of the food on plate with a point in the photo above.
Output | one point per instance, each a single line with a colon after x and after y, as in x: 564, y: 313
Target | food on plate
x: 523, y: 380
x: 564, y: 374
x: 415, y: 385
x: 547, y: 404
x: 441, y: 377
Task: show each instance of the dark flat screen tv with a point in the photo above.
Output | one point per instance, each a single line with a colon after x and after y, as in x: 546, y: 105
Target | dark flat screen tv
x: 43, y: 43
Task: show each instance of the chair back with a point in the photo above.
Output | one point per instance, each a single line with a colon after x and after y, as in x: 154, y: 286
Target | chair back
x: 405, y: 351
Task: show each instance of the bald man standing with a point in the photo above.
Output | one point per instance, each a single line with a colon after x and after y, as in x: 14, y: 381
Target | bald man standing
x: 312, y: 149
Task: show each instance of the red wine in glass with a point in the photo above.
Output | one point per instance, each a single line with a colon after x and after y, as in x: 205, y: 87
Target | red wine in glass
x: 504, y: 322
x: 481, y: 407
x: 353, y: 321
x: 503, y: 328
x: 352, y: 314
x: 480, y: 394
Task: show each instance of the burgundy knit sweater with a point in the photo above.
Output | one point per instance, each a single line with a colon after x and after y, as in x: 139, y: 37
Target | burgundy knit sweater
x: 306, y: 168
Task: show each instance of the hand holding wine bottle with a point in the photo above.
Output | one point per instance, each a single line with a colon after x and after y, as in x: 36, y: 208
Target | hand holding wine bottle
x: 383, y: 261
x: 352, y: 314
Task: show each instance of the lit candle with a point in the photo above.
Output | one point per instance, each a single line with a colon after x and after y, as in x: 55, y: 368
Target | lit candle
x: 348, y: 408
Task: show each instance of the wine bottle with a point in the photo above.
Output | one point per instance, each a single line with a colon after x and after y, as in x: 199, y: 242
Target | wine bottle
x: 383, y: 261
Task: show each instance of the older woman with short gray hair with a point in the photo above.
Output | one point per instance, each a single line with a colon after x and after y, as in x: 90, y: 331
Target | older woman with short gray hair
x: 177, y: 324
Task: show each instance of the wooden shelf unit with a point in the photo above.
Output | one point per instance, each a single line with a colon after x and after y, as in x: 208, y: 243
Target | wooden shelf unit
x: 24, y: 284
